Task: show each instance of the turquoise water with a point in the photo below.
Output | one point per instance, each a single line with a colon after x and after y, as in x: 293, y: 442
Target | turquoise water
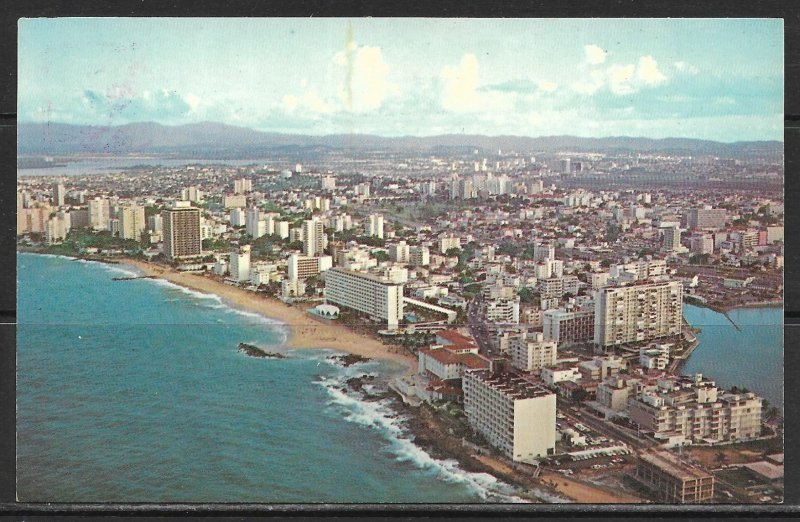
x: 751, y: 357
x: 133, y: 391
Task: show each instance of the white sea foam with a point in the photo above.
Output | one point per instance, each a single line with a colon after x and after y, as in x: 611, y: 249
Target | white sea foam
x: 379, y: 416
x: 188, y: 291
x: 216, y: 302
x: 125, y: 270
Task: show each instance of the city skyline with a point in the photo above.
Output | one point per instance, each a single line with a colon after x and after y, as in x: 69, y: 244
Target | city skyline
x: 592, y: 78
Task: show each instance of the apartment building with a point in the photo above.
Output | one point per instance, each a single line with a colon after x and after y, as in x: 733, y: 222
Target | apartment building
x: 694, y: 409
x: 707, y: 218
x: 234, y: 201
x: 531, y: 352
x: 181, y: 224
x: 131, y: 222
x: 313, y: 238
x: 447, y: 242
x: 303, y: 267
x: 568, y: 327
x: 515, y: 416
x: 59, y: 192
x: 399, y: 252
x: 505, y: 311
x: 239, y: 264
x: 192, y: 194
x: 419, y: 256
x: 638, y: 312
x: 99, y: 213
x: 241, y: 186
x: 671, y: 240
x: 381, y: 299
x: 374, y: 225
x: 254, y: 225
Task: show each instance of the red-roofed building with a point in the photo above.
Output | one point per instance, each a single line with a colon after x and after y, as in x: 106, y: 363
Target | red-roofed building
x: 444, y: 364
x: 456, y: 342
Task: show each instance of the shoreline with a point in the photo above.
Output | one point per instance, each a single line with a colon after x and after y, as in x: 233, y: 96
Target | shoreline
x: 304, y: 330
x: 775, y: 303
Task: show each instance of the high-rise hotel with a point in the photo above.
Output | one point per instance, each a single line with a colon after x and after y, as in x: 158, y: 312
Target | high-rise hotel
x: 181, y: 225
x: 378, y: 297
x: 637, y: 312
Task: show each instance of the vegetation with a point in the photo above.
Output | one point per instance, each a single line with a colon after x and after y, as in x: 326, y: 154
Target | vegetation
x: 79, y: 239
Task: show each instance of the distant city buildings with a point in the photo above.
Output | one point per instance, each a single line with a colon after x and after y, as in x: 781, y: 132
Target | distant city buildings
x: 314, y: 239
x: 707, y: 218
x: 131, y: 222
x: 59, y: 192
x: 374, y: 225
x: 192, y: 194
x: 242, y: 186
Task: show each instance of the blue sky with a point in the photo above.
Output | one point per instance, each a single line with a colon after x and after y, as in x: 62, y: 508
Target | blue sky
x: 719, y: 79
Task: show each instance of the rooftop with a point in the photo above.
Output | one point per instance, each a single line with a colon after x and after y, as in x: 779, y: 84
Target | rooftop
x: 456, y: 338
x: 671, y: 465
x: 363, y: 275
x: 510, y: 384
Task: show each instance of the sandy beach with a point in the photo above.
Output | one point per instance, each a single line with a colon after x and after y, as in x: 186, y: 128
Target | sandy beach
x: 586, y: 493
x: 306, y: 331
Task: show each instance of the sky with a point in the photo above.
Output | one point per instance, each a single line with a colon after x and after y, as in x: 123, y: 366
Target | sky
x: 718, y: 79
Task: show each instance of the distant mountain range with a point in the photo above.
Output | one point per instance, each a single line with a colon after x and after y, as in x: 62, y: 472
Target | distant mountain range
x: 216, y: 140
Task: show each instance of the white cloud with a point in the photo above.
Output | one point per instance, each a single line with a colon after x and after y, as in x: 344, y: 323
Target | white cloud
x: 366, y: 84
x: 290, y: 102
x: 193, y: 101
x: 620, y: 79
x: 309, y: 101
x: 595, y: 54
x: 648, y: 72
x: 594, y: 83
x: 547, y: 86
x: 685, y: 68
x: 460, y: 85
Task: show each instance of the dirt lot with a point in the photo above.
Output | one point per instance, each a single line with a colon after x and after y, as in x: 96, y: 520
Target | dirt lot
x: 715, y: 457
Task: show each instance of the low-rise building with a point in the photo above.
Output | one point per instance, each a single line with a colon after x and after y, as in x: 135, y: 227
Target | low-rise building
x: 560, y: 373
x: 673, y: 481
x: 440, y: 363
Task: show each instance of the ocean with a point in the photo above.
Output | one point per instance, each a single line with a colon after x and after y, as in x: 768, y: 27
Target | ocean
x: 134, y: 391
x: 750, y: 356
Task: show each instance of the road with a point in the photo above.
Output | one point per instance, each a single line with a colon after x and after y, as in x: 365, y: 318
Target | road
x: 477, y: 327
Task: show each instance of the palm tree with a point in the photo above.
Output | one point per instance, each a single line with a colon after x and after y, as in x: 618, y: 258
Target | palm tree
x: 721, y: 457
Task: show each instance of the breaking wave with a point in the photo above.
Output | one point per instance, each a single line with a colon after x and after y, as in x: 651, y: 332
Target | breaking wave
x: 379, y: 416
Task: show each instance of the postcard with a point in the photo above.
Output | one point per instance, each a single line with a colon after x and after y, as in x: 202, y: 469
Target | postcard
x: 400, y: 261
